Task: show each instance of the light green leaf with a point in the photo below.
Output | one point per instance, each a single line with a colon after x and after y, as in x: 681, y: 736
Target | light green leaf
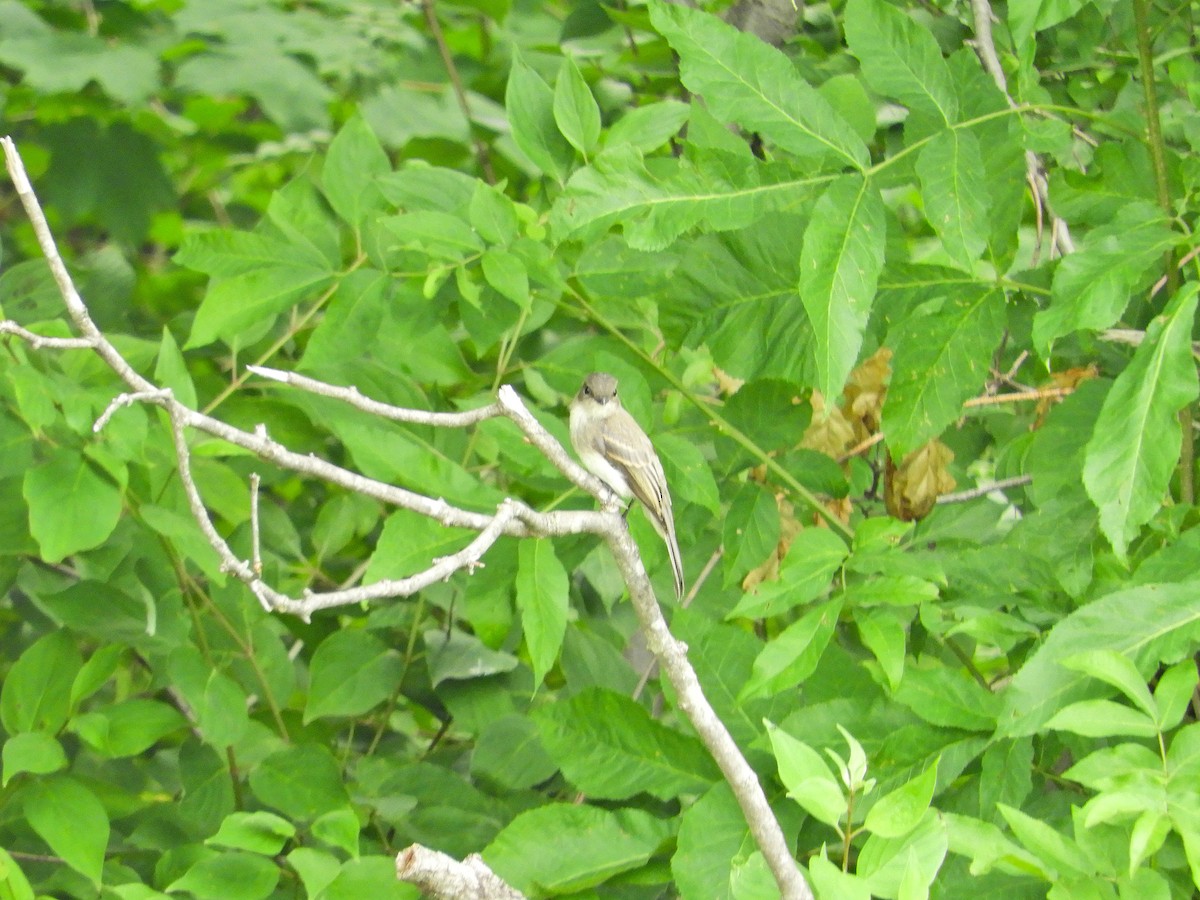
x: 900, y: 59
x: 1147, y: 624
x: 542, y: 589
x: 438, y: 234
x: 1092, y: 286
x: 575, y: 109
x: 1115, y: 669
x: 1047, y: 844
x: 609, y: 747
x: 648, y: 127
x: 508, y: 753
x: 63, y: 62
x: 257, y: 832
x: 338, y: 828
x: 840, y: 261
x: 1173, y: 693
x: 170, y: 370
x: 458, y: 656
x: 951, y: 171
x: 793, y: 654
x: 229, y: 876
x: 69, y: 818
x: 941, y: 357
x: 354, y: 161
x: 34, y: 752
x: 13, y: 883
x: 883, y: 632
x: 746, y: 81
x: 352, y: 672
x: 899, y: 867
x: 530, y: 104
x: 1103, y: 718
x: 807, y: 778
x: 128, y: 728
x: 751, y: 530
x: 589, y: 846
x: 72, y: 506
x: 493, y: 215
x: 1132, y: 453
x: 1027, y: 17
x: 36, y: 694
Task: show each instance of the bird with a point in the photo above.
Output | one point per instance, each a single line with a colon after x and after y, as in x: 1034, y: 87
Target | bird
x: 613, y: 447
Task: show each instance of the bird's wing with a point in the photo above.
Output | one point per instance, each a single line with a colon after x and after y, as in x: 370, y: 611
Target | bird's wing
x: 635, y: 458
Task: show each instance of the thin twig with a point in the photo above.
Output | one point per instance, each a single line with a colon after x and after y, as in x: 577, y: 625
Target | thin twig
x: 460, y: 93
x: 984, y: 489
x: 255, y: 530
x: 1019, y: 397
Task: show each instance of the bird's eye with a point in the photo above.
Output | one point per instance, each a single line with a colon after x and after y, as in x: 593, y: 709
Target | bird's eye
x: 587, y: 390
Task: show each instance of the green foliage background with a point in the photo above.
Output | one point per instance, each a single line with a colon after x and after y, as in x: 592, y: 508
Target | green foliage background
x: 997, y: 701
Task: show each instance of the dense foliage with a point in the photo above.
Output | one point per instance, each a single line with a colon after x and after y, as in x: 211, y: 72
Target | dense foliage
x: 819, y: 272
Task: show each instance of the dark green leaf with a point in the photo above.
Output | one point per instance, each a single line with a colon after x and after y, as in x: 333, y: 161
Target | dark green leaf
x: 530, y: 104
x: 352, y: 672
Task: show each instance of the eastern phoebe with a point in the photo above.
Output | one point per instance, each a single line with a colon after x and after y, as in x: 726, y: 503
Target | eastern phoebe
x: 614, y: 448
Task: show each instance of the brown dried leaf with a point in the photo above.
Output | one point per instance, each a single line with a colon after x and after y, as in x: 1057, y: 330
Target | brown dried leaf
x: 865, y: 391
x: 1068, y: 378
x: 827, y: 432
x: 912, y: 489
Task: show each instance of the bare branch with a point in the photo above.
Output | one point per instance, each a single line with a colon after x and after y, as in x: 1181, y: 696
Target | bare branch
x: 512, y: 518
x: 985, y: 47
x: 443, y: 877
x: 984, y: 489
x: 39, y: 342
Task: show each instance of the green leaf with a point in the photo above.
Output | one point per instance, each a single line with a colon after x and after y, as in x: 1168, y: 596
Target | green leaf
x: 530, y: 104
x: 338, y: 828
x: 493, y: 215
x: 575, y: 109
x: 793, y: 655
x: 656, y: 200
x: 542, y: 589
x: 237, y: 304
x: 807, y: 778
x: 1115, y: 669
x: 506, y: 273
x: 1027, y: 17
x: 69, y: 818
x: 216, y: 700
x: 316, y: 868
x: 128, y: 728
x: 840, y: 261
x: 36, y: 694
x: 1132, y: 453
x: 900, y: 59
x: 170, y: 371
x: 13, y: 883
x: 883, y: 632
x: 1146, y: 624
x: 951, y: 171
x: 814, y: 556
x: 769, y: 411
x: 352, y: 672
x: 1058, y: 851
x: 257, y: 832
x: 460, y: 656
x: 32, y: 751
x: 229, y: 876
x: 1173, y: 693
x: 609, y: 747
x: 1103, y: 718
x: 72, y: 506
x: 354, y: 161
x: 509, y: 753
x: 942, y: 354
x: 648, y: 127
x: 368, y: 876
x: 64, y: 63
x: 302, y: 781
x: 751, y: 530
x: 744, y: 80
x: 1093, y: 286
x: 905, y: 867
x: 589, y: 846
x: 948, y: 697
